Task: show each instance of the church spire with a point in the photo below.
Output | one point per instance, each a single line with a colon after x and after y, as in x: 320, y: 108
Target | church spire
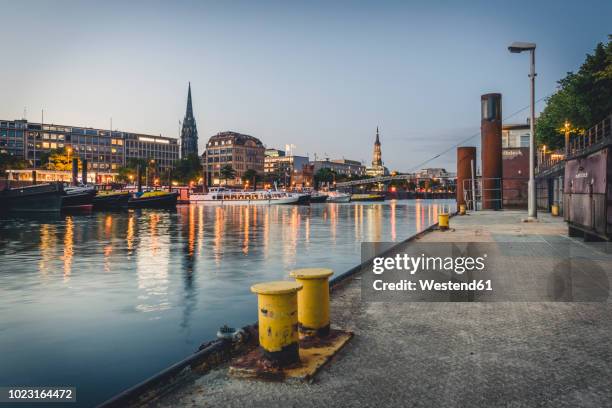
x: 189, y: 132
x: 189, y: 112
x: 377, y: 139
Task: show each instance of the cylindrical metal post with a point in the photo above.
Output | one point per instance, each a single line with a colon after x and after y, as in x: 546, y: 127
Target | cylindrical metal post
x: 313, y: 300
x: 443, y: 221
x: 75, y: 171
x: 532, y: 212
x: 278, y: 320
x: 139, y: 177
x: 464, y: 157
x: 491, y: 151
x: 84, y: 172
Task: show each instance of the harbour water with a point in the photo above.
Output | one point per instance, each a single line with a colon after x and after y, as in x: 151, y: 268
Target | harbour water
x: 103, y: 301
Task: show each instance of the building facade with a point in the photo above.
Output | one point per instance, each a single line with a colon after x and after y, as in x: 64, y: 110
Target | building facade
x: 242, y: 152
x: 281, y: 167
x: 377, y: 168
x: 349, y: 168
x: 515, y: 135
x: 103, y: 150
x: 189, y: 131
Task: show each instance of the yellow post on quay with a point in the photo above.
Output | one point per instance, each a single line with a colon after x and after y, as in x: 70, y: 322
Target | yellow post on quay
x: 554, y: 210
x: 461, y: 209
x: 313, y: 300
x: 278, y: 319
x: 443, y: 221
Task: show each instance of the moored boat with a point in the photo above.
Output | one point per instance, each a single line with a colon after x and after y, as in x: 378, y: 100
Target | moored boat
x: 338, y: 197
x: 78, y: 198
x: 153, y: 199
x: 222, y: 196
x: 318, y: 198
x: 367, y: 197
x: 36, y: 198
x: 110, y: 200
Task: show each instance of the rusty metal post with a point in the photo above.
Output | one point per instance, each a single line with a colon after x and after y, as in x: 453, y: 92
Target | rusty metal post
x: 491, y: 151
x: 75, y: 171
x: 464, y: 170
x: 84, y: 172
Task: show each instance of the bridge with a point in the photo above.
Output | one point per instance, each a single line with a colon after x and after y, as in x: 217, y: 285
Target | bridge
x: 387, y: 179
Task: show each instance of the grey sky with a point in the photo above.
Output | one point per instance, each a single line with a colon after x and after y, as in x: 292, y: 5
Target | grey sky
x: 320, y: 75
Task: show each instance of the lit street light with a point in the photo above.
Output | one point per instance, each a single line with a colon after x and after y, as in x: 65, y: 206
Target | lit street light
x: 518, y: 47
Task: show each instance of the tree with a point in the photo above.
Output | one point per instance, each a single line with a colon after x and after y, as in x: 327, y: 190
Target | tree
x: 188, y: 169
x: 324, y: 175
x: 128, y: 172
x: 227, y: 172
x: 584, y: 98
x: 251, y: 176
x: 57, y: 159
x: 8, y: 161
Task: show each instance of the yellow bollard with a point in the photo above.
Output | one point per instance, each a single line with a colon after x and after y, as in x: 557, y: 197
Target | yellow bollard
x: 443, y: 221
x: 554, y: 210
x: 461, y: 209
x: 313, y: 300
x: 278, y: 320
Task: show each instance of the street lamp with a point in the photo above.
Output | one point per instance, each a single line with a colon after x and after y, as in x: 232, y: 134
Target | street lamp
x: 566, y: 127
x: 518, y: 47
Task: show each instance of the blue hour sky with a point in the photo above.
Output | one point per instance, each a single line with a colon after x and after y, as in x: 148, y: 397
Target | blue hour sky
x: 318, y: 74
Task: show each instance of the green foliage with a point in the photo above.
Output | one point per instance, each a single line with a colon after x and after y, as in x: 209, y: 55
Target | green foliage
x: 57, y: 159
x: 324, y: 175
x: 584, y: 98
x: 227, y: 172
x: 187, y: 169
x: 8, y: 161
x: 252, y: 177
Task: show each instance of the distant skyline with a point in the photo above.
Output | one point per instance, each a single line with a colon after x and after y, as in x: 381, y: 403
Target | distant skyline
x: 319, y: 75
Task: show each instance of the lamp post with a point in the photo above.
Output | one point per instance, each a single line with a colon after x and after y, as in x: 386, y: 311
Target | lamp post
x: 518, y: 47
x: 566, y: 126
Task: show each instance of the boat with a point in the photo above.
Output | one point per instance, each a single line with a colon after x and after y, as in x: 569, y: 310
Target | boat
x: 224, y: 196
x: 77, y: 198
x: 338, y: 197
x: 367, y: 197
x: 318, y: 198
x: 153, y: 199
x: 36, y: 198
x: 111, y: 200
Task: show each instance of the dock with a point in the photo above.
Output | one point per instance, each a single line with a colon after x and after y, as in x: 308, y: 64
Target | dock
x: 518, y: 354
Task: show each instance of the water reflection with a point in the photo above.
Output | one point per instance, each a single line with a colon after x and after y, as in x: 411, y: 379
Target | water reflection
x: 143, y: 282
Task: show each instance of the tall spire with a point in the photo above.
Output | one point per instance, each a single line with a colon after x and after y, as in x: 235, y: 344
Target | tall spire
x: 189, y: 133
x: 377, y: 139
x: 189, y: 112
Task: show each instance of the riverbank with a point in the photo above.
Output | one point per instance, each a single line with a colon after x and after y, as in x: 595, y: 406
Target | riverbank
x: 443, y: 354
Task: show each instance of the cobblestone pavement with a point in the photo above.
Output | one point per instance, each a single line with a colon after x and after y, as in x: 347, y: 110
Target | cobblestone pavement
x: 427, y: 354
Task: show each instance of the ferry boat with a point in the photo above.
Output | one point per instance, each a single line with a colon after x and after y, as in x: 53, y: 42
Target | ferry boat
x: 225, y: 196
x: 338, y: 197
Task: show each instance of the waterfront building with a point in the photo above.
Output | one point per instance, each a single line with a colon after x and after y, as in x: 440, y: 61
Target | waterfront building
x: 377, y: 168
x: 515, y: 135
x: 189, y: 132
x: 346, y: 167
x: 242, y: 152
x: 437, y: 173
x: 103, y: 150
x: 281, y: 167
x: 303, y: 177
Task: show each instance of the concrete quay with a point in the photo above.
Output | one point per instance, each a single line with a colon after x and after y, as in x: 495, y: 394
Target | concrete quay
x: 424, y: 354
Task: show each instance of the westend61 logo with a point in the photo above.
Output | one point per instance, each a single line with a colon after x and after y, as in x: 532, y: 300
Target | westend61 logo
x: 483, y: 272
x: 412, y: 264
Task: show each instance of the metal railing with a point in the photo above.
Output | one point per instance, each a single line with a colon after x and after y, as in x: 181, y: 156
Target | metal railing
x: 578, y: 144
x: 473, y: 197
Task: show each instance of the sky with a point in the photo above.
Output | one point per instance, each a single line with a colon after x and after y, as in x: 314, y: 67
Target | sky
x: 321, y: 75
